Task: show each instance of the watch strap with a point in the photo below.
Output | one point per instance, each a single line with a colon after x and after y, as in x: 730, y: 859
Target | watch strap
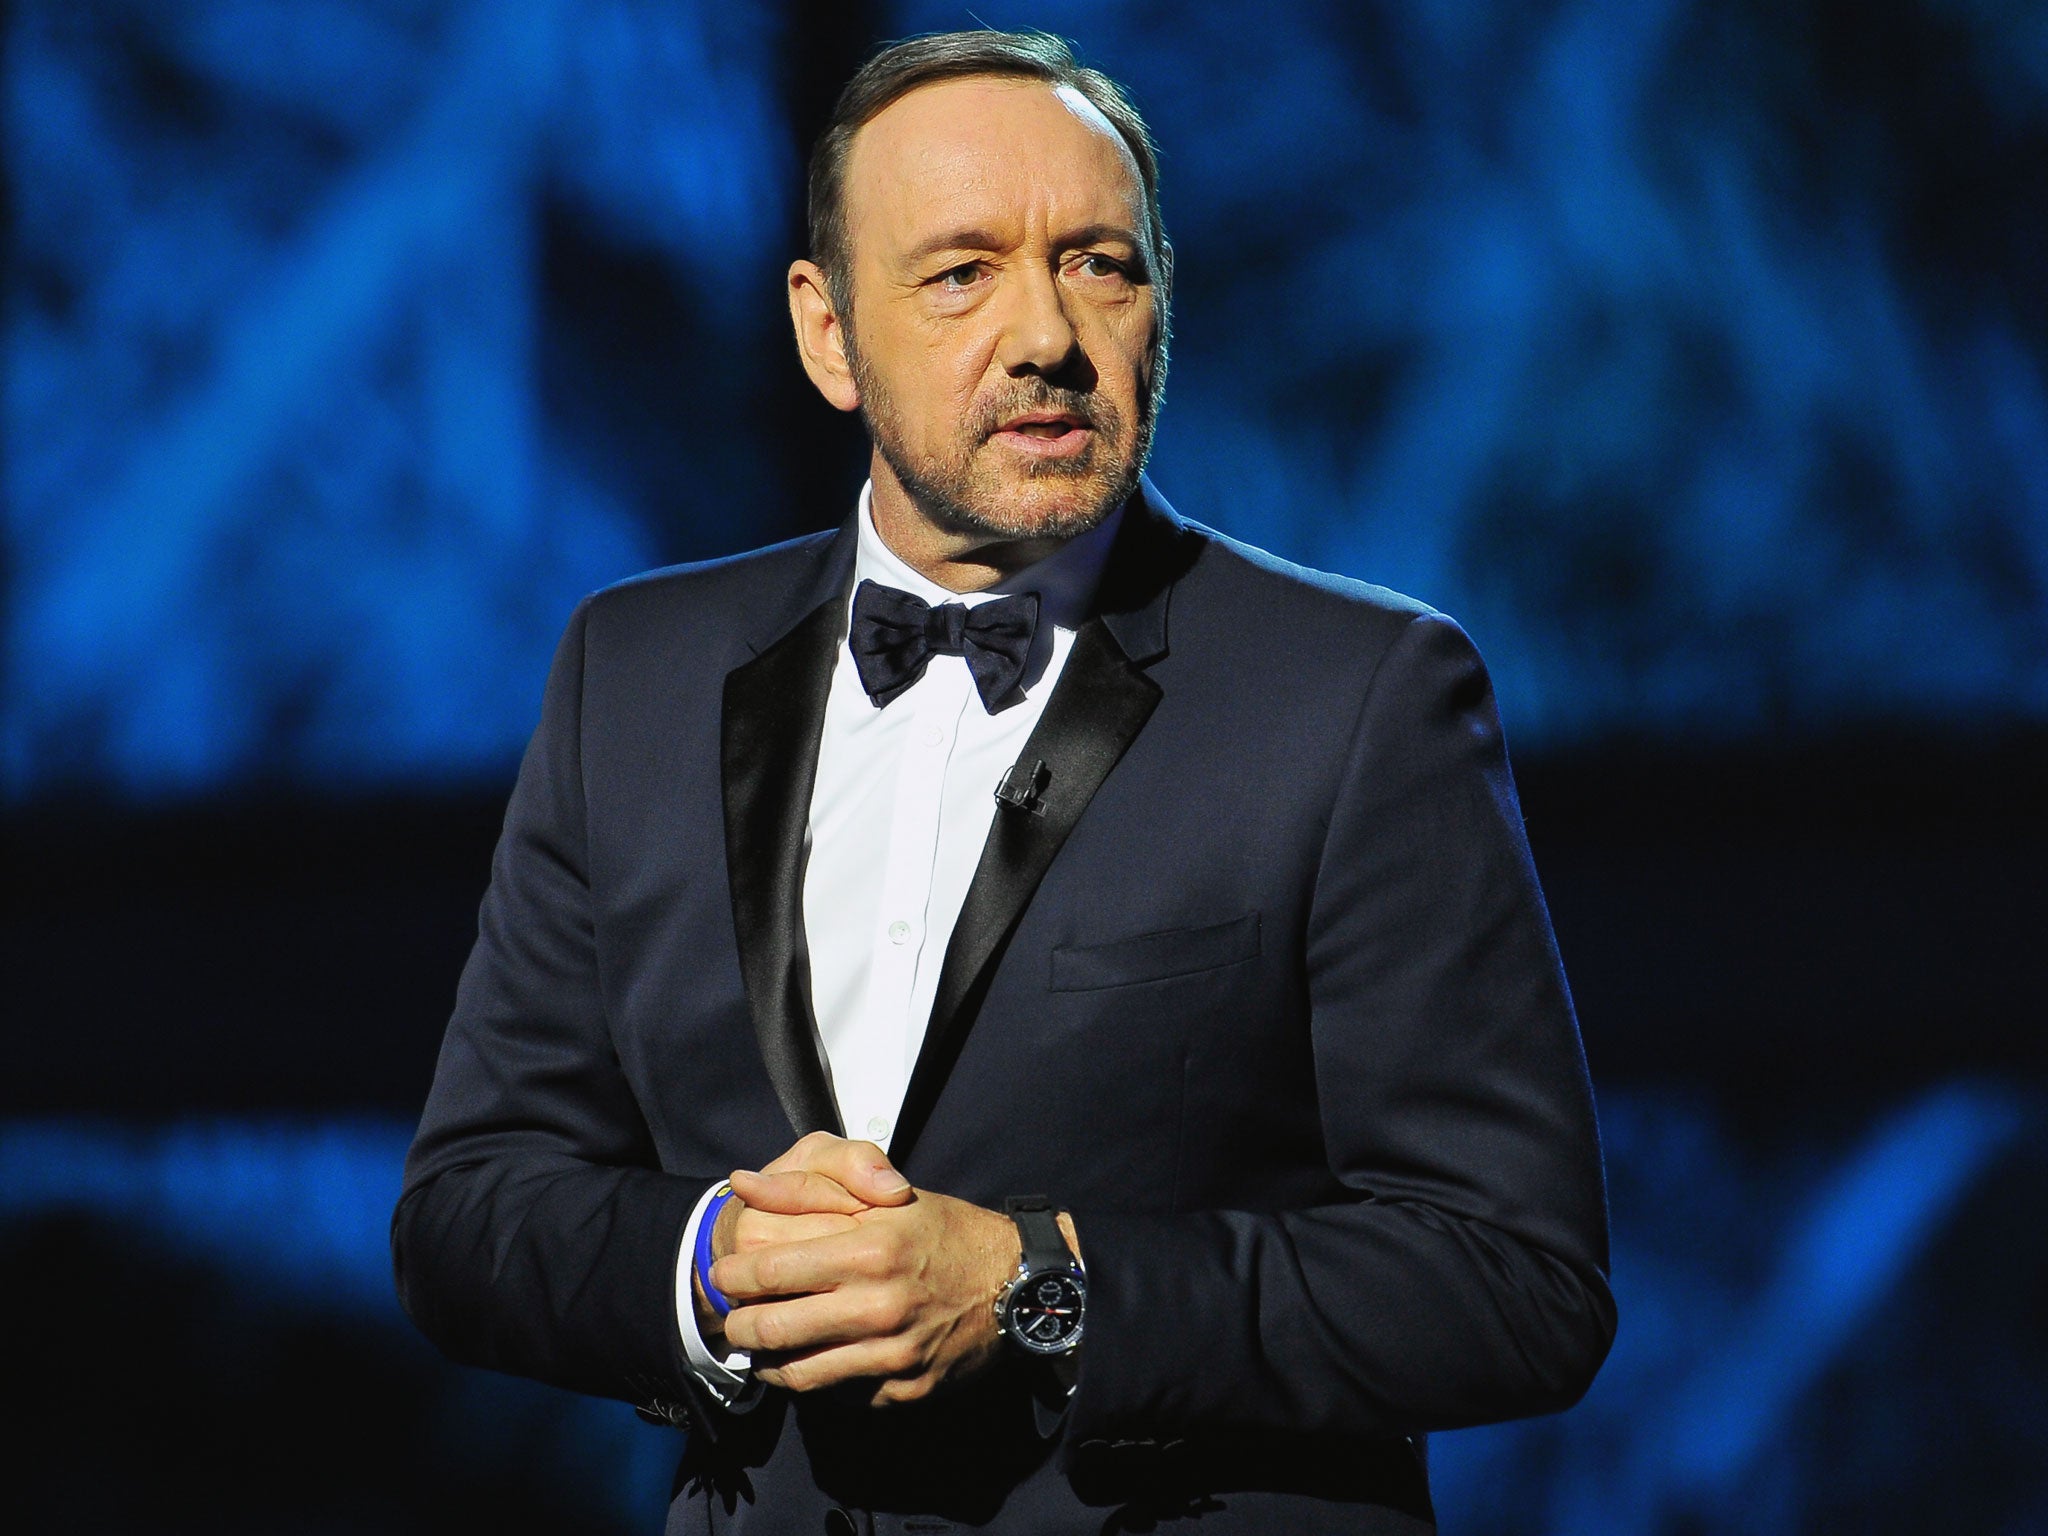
x: 1044, y: 1245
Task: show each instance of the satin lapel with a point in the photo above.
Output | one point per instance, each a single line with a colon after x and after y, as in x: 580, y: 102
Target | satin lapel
x: 1101, y: 702
x: 774, y: 708
x: 1097, y: 708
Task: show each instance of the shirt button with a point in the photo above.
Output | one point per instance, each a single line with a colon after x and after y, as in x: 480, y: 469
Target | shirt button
x: 878, y: 1127
x: 899, y: 932
x: 934, y: 735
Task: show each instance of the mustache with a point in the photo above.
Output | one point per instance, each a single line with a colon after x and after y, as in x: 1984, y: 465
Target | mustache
x: 1085, y: 406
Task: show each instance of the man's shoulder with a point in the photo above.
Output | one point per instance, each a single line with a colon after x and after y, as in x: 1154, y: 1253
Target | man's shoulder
x: 724, y: 578
x: 730, y: 596
x: 1282, y: 580
x: 1239, y: 584
x: 1298, y: 651
x: 1215, y: 567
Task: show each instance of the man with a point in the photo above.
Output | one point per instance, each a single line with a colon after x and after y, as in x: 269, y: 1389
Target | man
x: 1055, y: 847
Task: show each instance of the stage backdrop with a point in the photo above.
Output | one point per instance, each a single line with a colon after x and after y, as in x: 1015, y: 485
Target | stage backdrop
x: 1694, y: 353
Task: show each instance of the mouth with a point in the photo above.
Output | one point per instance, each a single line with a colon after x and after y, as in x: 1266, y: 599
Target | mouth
x: 1046, y: 433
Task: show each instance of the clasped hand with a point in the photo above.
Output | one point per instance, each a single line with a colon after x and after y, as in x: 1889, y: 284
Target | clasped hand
x: 838, y: 1270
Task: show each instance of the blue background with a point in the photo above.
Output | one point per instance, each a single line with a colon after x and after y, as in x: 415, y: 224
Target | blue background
x: 1694, y: 353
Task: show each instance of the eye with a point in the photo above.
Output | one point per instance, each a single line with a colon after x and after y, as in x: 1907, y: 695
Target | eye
x: 1095, y: 264
x: 959, y: 279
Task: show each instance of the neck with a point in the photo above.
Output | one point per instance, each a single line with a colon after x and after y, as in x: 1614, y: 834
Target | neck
x: 956, y: 559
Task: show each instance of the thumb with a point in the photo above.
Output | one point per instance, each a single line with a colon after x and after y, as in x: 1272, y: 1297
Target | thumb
x: 875, y: 1179
x: 794, y: 1192
x: 859, y: 1167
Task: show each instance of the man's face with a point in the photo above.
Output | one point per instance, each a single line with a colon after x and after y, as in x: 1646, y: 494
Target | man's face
x: 1006, y: 322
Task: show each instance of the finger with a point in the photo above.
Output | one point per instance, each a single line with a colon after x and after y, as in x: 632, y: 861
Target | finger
x: 802, y: 1269
x: 758, y: 1229
x: 807, y: 1149
x: 860, y: 1167
x: 806, y: 1323
x: 869, y: 1360
x: 794, y: 1192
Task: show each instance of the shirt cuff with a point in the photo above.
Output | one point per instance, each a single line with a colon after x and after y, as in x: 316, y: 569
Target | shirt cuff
x: 726, y: 1380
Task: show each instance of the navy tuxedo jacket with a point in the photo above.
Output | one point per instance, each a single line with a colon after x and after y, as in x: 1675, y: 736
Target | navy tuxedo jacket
x: 1264, y: 992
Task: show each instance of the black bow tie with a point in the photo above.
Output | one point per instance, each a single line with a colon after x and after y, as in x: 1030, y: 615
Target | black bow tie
x: 894, y: 634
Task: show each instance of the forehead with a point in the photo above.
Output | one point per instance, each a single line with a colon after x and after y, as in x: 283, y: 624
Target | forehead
x: 988, y: 153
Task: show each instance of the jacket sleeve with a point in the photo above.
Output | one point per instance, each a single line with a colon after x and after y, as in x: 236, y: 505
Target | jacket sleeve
x: 535, y: 1233
x: 1461, y: 1278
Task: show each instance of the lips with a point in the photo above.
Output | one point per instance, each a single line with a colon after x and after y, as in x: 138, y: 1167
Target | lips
x: 1046, y: 426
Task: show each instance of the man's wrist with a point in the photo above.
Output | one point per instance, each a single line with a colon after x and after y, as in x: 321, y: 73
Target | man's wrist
x: 723, y: 1372
x: 1041, y: 1309
x: 715, y: 1241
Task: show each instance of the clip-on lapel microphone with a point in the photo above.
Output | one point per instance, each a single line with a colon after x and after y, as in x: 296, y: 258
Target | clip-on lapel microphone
x: 1023, y: 789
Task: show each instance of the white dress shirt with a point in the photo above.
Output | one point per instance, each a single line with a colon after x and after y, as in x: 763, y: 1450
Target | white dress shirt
x: 899, y: 812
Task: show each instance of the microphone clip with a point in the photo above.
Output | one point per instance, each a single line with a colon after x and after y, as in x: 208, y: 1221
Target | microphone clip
x: 1023, y: 789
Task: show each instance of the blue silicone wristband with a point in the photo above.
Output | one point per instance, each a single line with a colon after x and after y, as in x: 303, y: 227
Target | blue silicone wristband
x: 711, y: 1293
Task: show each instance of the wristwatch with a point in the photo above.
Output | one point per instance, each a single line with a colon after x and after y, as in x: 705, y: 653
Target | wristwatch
x: 1042, y: 1306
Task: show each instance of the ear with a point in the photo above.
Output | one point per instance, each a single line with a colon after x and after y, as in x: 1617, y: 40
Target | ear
x: 820, y: 335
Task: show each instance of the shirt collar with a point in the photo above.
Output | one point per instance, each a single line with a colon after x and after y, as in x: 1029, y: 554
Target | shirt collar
x: 1064, y: 580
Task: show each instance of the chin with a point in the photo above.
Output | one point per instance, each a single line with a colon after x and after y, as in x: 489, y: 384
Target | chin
x: 994, y: 500
x: 1042, y: 506
x: 1061, y: 498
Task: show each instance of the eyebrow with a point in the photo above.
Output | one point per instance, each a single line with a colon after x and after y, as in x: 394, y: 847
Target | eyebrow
x: 983, y: 240
x: 952, y: 240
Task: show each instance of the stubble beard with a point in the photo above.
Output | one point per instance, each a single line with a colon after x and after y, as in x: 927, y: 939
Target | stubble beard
x: 962, y: 493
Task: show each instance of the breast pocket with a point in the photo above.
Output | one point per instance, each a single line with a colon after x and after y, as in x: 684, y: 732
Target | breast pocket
x: 1155, y: 956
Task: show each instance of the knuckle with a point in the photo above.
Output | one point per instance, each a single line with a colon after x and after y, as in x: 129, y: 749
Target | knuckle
x: 875, y: 1256
x: 879, y: 1313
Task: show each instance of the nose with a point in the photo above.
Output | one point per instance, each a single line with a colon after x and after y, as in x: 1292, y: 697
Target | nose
x: 1038, y: 336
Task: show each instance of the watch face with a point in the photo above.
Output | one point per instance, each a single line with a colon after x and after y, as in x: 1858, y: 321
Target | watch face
x: 1043, y: 1312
